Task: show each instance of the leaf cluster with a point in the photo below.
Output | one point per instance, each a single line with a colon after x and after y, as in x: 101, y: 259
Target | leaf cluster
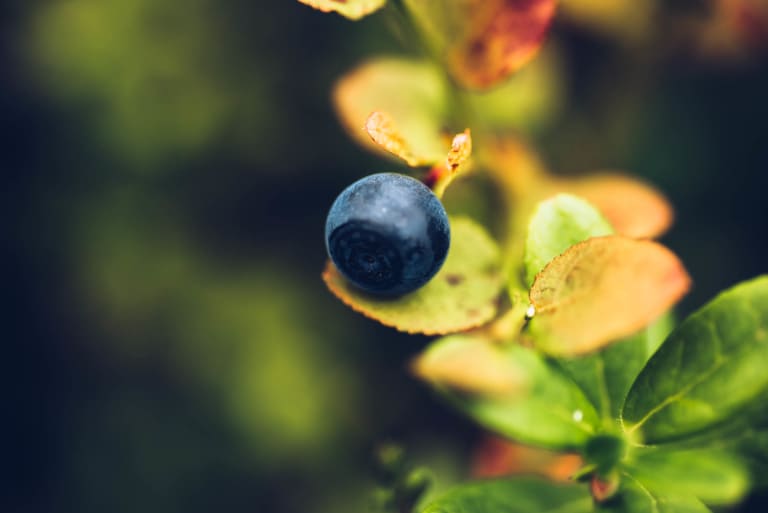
x: 556, y: 331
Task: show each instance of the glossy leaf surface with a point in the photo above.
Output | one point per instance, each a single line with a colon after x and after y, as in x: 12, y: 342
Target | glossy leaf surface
x: 709, y: 368
x: 606, y: 375
x: 715, y: 477
x: 554, y: 413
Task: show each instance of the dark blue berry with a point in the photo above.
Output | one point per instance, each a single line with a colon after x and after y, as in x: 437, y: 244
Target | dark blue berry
x: 388, y: 234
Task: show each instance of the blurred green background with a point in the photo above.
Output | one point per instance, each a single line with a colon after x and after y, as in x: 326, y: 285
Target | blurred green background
x: 168, y: 165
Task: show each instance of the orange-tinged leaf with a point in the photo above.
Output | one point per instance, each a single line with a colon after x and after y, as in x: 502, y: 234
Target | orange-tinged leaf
x: 381, y: 128
x: 471, y: 364
x: 497, y: 457
x: 463, y: 294
x: 461, y: 149
x: 412, y: 93
x: 352, y: 9
x: 441, y: 175
x: 501, y: 36
x: 633, y: 208
x: 600, y: 290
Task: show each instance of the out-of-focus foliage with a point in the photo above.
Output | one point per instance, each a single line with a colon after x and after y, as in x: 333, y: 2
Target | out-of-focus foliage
x: 482, y: 43
x: 353, y: 9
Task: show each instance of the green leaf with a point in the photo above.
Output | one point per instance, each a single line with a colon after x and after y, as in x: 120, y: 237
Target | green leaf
x: 710, y: 367
x: 519, y: 495
x: 411, y: 92
x: 557, y: 224
x: 745, y: 435
x: 352, y: 9
x: 552, y: 413
x: 606, y: 376
x: 462, y: 295
x: 634, y: 497
x: 715, y: 477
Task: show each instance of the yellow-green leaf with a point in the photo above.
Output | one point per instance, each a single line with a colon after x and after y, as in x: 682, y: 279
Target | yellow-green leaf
x: 557, y: 224
x: 411, y: 92
x: 603, y: 289
x: 352, y: 9
x: 461, y: 296
x: 472, y: 364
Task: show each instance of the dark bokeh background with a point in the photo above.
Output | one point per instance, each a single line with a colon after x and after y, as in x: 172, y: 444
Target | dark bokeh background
x: 167, y: 169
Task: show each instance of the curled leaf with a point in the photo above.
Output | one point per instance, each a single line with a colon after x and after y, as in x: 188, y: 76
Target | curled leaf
x: 500, y: 37
x: 381, y: 128
x: 352, y: 9
x: 461, y: 149
x: 441, y: 175
x: 412, y: 94
x: 603, y: 289
x: 463, y: 295
x: 471, y: 364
